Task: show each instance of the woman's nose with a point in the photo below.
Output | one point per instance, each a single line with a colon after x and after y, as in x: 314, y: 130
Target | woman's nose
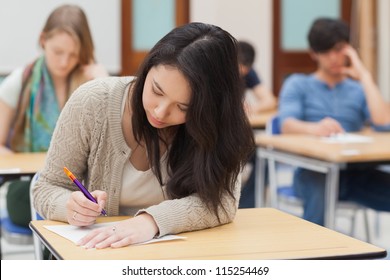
x: 161, y: 111
x: 64, y: 61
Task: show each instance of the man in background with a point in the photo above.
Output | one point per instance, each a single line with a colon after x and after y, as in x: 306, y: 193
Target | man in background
x: 340, y: 96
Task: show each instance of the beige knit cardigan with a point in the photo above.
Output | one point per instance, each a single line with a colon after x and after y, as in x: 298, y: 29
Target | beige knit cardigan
x: 88, y: 139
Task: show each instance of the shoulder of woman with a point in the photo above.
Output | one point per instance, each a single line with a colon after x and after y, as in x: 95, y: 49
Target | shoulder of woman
x: 94, y: 70
x: 98, y: 90
x: 11, y: 87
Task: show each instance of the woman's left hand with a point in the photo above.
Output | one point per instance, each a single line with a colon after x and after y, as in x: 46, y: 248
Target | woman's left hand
x: 135, y: 230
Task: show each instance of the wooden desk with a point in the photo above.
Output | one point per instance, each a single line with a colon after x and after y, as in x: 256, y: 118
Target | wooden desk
x: 312, y: 153
x: 260, y: 120
x: 259, y: 233
x: 21, y: 164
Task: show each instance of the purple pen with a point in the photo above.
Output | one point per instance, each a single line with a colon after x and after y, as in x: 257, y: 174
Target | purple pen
x: 82, y: 188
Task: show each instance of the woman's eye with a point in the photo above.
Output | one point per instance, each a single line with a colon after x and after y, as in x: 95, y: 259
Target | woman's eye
x: 183, y: 109
x: 156, y: 92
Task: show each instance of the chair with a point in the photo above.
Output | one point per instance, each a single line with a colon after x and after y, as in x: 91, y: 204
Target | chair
x: 285, y: 194
x: 38, y: 245
x: 14, y: 234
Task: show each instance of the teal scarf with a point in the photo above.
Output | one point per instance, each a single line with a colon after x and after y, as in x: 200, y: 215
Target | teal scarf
x: 37, y: 111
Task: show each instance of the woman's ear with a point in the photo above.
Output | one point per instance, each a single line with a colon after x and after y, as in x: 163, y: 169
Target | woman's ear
x: 42, y: 40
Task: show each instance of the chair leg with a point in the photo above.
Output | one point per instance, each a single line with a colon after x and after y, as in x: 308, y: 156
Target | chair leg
x: 38, y: 248
x: 367, y: 225
x: 353, y: 223
x: 377, y: 224
x: 273, y: 183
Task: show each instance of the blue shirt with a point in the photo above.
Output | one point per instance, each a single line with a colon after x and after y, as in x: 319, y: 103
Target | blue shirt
x: 251, y: 79
x: 306, y: 98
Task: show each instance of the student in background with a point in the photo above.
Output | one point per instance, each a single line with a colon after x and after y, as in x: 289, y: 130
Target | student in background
x: 167, y: 146
x: 264, y: 100
x: 32, y: 97
x: 340, y: 96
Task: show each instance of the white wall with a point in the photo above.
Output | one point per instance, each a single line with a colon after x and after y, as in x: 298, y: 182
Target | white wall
x: 21, y: 22
x: 249, y: 20
x: 384, y: 47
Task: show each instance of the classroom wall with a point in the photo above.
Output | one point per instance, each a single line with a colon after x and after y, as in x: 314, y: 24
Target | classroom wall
x: 384, y: 47
x: 21, y: 22
x: 249, y: 20
x: 252, y: 20
x: 19, y: 44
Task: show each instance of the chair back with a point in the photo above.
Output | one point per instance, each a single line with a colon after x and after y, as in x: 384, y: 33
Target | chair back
x: 273, y: 126
x: 34, y: 214
x: 38, y: 246
x: 13, y: 233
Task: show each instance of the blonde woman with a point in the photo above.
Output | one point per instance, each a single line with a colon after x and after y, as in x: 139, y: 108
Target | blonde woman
x: 32, y: 97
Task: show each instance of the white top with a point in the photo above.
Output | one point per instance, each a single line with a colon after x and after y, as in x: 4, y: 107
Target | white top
x: 138, y: 190
x: 11, y: 87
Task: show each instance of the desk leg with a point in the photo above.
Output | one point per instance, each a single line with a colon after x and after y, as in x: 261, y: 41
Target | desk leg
x: 331, y: 195
x: 272, y: 182
x: 259, y: 180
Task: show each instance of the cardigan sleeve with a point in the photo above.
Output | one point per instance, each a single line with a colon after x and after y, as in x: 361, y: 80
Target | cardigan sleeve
x: 69, y: 148
x: 190, y: 213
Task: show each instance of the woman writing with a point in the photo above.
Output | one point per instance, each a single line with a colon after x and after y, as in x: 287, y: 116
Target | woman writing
x: 167, y: 146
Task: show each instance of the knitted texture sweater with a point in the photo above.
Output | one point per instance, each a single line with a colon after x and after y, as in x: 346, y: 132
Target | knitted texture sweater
x: 88, y: 139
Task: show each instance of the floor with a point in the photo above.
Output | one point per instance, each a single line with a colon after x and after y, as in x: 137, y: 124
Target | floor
x: 379, y: 229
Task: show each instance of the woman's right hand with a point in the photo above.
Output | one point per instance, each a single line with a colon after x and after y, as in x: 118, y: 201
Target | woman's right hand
x: 83, y: 212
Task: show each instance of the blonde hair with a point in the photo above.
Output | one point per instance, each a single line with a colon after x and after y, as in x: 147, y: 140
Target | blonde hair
x: 72, y: 20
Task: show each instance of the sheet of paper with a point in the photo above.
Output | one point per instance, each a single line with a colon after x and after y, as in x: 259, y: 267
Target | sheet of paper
x: 347, y: 138
x: 350, y: 152
x: 75, y: 233
x: 10, y: 171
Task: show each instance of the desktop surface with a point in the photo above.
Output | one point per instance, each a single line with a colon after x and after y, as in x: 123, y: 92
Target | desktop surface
x: 259, y: 233
x: 21, y: 163
x: 316, y: 147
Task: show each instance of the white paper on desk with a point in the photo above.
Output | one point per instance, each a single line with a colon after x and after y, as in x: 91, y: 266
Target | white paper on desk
x: 75, y: 233
x: 10, y: 171
x: 347, y: 138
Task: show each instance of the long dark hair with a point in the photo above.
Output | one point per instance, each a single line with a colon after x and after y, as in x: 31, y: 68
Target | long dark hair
x: 209, y: 150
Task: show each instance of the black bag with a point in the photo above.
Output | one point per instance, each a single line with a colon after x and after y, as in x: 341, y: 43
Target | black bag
x: 18, y: 202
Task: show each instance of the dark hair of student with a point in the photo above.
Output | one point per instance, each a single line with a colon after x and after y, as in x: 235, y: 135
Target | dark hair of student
x: 209, y: 150
x: 325, y: 33
x: 246, y: 53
